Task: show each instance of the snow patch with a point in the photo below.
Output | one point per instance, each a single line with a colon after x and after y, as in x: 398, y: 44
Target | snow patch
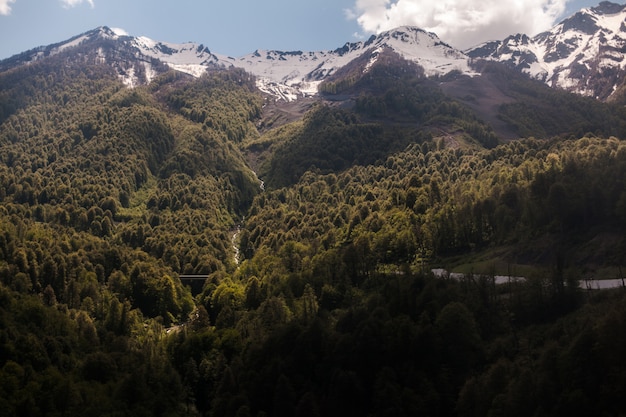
x: 195, y: 70
x: 71, y: 43
x: 150, y: 72
x: 145, y: 43
x: 129, y: 79
x: 277, y: 90
x: 373, y: 59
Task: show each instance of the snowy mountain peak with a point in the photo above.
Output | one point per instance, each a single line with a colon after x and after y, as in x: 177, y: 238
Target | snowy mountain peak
x: 106, y: 32
x: 585, y: 53
x: 606, y: 7
x: 286, y: 75
x: 289, y: 75
x: 584, y: 21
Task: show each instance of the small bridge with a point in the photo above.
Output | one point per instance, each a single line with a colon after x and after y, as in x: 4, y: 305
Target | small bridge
x: 192, y: 277
x: 195, y: 282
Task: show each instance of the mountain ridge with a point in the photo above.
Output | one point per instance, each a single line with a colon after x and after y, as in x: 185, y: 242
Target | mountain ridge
x: 284, y: 74
x: 584, y: 53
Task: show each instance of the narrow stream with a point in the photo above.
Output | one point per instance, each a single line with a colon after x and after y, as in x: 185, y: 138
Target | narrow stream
x: 235, y: 232
x: 233, y: 241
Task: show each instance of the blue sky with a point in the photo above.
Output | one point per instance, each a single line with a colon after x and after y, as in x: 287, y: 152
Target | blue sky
x: 238, y: 27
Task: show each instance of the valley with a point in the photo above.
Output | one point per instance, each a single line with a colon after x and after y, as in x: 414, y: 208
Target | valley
x: 177, y: 239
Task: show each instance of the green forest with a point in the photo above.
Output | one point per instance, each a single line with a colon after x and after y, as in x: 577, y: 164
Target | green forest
x: 311, y: 246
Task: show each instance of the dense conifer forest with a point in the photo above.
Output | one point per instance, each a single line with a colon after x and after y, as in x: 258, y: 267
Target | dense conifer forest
x: 317, y: 296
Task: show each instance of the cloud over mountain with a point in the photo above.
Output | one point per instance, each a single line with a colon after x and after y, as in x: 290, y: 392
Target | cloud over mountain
x: 5, y: 7
x: 462, y: 23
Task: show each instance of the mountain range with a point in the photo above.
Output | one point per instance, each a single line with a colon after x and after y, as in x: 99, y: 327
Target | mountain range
x: 585, y: 54
x: 184, y: 233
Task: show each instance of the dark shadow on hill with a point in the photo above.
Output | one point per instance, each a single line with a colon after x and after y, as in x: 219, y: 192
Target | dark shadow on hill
x: 363, y: 117
x: 484, y: 97
x: 519, y: 107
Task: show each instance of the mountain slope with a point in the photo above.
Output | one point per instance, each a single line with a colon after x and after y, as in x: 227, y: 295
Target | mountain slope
x: 585, y: 53
x: 301, y: 72
x: 286, y: 75
x: 516, y: 106
x: 104, y: 156
x: 137, y: 60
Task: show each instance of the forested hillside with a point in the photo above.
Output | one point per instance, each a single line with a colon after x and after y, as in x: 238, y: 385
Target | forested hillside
x: 108, y: 194
x: 316, y: 296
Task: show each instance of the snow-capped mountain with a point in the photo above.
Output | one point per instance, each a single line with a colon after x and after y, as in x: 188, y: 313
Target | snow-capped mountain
x: 585, y: 53
x: 286, y: 75
x: 137, y: 60
x: 289, y: 74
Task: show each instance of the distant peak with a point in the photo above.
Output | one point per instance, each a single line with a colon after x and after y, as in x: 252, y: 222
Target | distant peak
x: 405, y: 28
x: 519, y: 38
x: 607, y: 7
x: 414, y: 35
x: 406, y: 31
x: 581, y: 21
x: 100, y: 32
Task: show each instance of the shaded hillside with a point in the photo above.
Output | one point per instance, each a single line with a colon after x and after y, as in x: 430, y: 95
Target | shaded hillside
x: 333, y: 294
x: 518, y: 107
x: 379, y: 107
x: 328, y: 140
x: 445, y: 201
x: 366, y: 117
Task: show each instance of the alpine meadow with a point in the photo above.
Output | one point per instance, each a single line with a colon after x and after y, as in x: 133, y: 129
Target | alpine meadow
x: 392, y: 228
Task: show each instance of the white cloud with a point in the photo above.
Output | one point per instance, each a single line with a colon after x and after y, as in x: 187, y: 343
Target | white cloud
x: 73, y: 3
x: 461, y: 23
x: 5, y: 7
x: 119, y: 31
